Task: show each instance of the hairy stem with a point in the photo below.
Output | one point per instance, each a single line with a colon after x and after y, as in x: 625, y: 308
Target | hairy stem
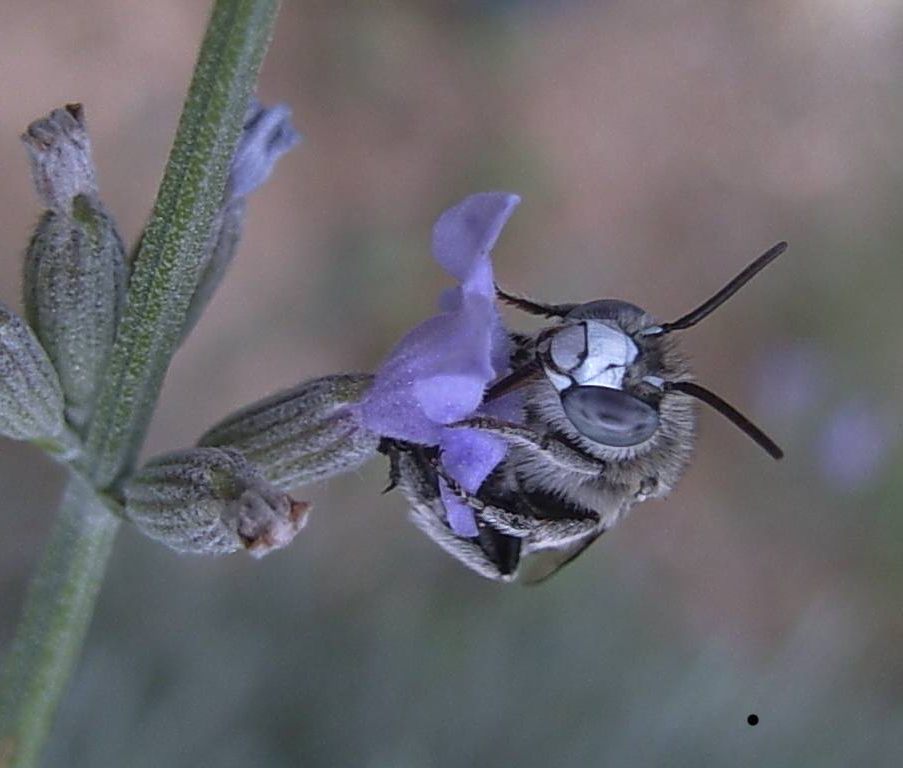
x: 164, y: 277
x: 57, y: 611
x: 167, y: 265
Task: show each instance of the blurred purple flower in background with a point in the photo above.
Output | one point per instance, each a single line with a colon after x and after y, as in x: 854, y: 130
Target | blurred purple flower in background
x: 790, y: 380
x: 437, y: 373
x: 855, y: 444
x: 850, y: 443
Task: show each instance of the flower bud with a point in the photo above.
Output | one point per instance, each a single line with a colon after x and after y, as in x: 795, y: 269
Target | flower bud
x: 31, y: 400
x: 211, y: 501
x: 302, y: 434
x: 267, y: 134
x: 75, y: 264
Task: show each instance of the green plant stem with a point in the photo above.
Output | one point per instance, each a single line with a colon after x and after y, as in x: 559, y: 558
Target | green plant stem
x: 164, y: 277
x: 57, y: 611
x: 167, y: 266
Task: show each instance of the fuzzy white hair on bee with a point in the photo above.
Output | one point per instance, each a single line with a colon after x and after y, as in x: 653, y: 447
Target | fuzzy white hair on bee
x: 609, y: 420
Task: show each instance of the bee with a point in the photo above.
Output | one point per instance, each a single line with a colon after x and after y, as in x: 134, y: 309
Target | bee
x: 609, y: 421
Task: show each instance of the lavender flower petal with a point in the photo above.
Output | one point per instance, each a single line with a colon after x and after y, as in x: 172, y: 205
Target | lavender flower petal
x: 460, y: 517
x: 855, y: 445
x: 464, y: 235
x: 438, y: 372
x: 469, y: 456
x: 267, y: 135
x: 435, y: 375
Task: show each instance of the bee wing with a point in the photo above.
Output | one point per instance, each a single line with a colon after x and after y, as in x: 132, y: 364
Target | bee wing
x: 541, y: 564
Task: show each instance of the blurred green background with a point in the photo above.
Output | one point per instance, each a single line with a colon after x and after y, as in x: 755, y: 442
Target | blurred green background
x: 658, y: 148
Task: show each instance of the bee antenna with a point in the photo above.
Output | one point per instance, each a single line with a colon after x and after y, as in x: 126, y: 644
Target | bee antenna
x: 707, y: 307
x: 727, y: 410
x: 533, y: 307
x: 514, y: 380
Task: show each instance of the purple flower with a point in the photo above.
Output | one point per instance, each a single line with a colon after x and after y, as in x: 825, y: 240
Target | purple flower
x: 855, y: 444
x: 266, y: 136
x: 792, y: 378
x: 437, y: 374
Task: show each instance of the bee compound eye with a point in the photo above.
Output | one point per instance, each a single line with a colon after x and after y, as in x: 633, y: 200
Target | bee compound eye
x: 609, y: 416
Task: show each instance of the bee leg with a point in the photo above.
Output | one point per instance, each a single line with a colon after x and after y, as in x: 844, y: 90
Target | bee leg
x: 455, y: 487
x: 492, y: 554
x: 390, y: 449
x: 541, y: 532
x: 418, y: 474
x: 551, y: 448
x: 648, y: 488
x: 467, y: 551
x: 533, y: 307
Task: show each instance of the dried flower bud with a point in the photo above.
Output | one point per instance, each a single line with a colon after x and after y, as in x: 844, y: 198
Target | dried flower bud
x: 75, y: 264
x: 60, y: 153
x: 31, y: 400
x: 267, y: 134
x: 211, y: 501
x: 303, y: 434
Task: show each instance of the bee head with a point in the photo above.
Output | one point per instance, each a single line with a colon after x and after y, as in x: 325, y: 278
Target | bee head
x: 587, y: 359
x: 613, y: 366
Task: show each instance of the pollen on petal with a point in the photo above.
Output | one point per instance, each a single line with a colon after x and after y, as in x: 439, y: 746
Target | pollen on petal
x: 435, y: 375
x: 448, y: 397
